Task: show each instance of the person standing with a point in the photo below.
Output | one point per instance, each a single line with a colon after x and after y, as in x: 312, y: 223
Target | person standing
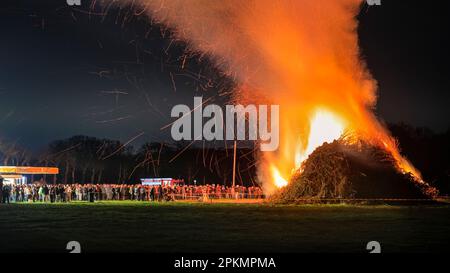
x: 6, y: 194
x: 1, y: 189
x: 91, y: 195
x: 142, y: 193
x: 34, y: 192
x: 160, y: 193
x: 27, y: 193
x: 132, y: 193
x: 68, y: 193
x: 22, y: 193
x: 136, y: 193
x: 152, y: 194
x: 53, y: 194
x: 46, y: 194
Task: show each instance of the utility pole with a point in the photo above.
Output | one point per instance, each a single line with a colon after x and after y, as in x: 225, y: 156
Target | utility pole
x: 234, y: 164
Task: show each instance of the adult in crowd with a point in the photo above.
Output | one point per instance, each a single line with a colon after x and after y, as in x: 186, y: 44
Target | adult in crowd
x: 1, y: 189
x: 6, y: 194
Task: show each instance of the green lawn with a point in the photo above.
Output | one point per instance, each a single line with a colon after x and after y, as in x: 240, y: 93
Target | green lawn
x: 195, y: 227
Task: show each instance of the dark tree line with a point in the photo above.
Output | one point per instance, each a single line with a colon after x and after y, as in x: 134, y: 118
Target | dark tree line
x: 84, y: 159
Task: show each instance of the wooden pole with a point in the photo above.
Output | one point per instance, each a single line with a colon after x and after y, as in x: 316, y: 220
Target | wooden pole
x: 234, y: 163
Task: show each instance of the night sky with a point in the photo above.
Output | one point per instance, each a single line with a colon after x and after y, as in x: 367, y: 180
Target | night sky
x: 66, y: 71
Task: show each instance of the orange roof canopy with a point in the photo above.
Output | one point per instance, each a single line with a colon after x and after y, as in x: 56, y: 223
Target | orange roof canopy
x: 28, y: 170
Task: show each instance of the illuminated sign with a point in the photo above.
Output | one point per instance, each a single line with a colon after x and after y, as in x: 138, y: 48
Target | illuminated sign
x: 160, y: 181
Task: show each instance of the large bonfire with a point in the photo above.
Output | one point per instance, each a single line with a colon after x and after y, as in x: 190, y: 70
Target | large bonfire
x: 304, y: 56
x: 343, y: 170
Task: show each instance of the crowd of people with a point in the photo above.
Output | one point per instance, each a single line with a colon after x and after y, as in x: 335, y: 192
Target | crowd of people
x: 99, y: 192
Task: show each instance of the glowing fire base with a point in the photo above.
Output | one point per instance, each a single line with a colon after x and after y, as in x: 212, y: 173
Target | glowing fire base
x: 351, y: 171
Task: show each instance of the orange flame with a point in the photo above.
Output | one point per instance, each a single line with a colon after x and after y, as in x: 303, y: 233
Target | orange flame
x: 278, y: 178
x: 325, y: 127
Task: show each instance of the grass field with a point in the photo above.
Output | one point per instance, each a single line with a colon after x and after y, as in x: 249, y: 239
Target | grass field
x: 195, y: 227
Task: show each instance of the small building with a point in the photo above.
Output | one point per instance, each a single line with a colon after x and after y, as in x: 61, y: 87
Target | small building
x: 18, y: 175
x: 161, y: 181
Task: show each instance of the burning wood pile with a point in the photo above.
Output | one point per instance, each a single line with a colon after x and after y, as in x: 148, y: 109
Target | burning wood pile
x: 340, y: 170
